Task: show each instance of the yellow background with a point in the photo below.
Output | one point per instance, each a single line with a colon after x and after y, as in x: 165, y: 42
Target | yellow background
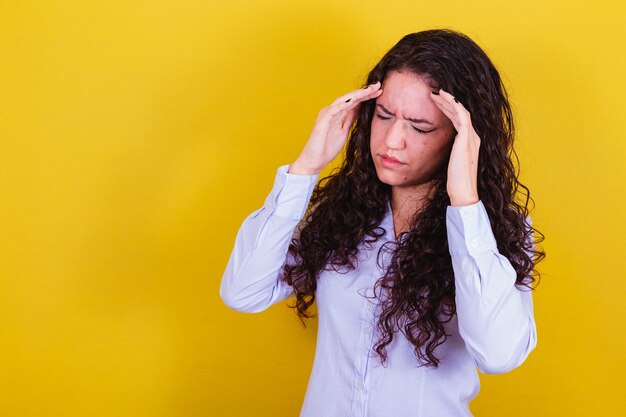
x: 137, y: 135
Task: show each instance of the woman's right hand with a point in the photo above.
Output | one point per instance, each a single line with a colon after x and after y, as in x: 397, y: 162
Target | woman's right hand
x: 331, y: 129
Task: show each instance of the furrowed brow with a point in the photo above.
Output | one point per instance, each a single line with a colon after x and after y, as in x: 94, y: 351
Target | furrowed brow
x: 384, y: 109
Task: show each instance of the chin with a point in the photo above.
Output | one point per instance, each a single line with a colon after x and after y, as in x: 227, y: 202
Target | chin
x: 389, y: 178
x: 400, y: 179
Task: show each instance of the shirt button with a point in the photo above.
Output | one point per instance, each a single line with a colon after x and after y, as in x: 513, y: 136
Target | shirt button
x: 474, y: 243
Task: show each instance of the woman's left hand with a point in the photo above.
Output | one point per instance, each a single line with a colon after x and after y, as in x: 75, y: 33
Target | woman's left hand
x: 463, y: 166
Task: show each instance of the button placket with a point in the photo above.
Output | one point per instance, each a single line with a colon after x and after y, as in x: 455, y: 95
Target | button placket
x: 361, y: 361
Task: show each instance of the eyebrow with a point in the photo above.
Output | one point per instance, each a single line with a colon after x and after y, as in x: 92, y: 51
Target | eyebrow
x: 406, y: 118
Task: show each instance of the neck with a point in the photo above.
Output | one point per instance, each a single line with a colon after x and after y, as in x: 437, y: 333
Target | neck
x: 405, y: 202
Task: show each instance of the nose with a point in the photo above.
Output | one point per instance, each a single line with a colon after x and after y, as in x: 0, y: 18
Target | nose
x: 395, y: 135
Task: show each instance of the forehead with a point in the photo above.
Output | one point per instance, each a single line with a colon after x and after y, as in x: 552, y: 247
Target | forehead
x: 408, y: 94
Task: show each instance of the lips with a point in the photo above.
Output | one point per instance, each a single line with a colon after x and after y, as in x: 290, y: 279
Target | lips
x: 390, y: 162
x: 390, y: 159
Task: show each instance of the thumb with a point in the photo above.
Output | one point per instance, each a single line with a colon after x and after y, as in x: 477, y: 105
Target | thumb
x: 350, y: 117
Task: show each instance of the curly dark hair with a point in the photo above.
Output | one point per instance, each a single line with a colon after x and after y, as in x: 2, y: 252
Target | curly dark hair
x: 347, y: 207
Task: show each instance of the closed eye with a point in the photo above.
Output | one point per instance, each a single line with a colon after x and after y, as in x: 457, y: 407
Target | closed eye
x: 380, y: 116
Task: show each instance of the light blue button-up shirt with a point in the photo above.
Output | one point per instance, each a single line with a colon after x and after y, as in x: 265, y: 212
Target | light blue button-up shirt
x: 493, y: 330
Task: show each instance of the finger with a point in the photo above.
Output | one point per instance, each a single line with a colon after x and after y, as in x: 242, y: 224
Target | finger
x: 360, y: 99
x: 350, y: 103
x: 444, y: 99
x: 344, y: 120
x: 356, y: 94
x: 459, y: 108
x: 351, y: 115
x: 448, y: 111
x: 453, y: 109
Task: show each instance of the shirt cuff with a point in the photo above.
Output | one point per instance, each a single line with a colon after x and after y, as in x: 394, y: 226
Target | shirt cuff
x: 469, y: 230
x: 292, y: 193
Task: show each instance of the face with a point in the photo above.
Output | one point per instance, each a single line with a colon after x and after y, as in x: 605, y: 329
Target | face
x: 410, y: 137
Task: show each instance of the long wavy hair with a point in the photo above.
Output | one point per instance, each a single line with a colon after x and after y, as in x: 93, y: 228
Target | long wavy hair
x: 416, y: 294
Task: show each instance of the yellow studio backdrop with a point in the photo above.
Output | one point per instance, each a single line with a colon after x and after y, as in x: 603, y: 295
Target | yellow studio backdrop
x: 137, y: 135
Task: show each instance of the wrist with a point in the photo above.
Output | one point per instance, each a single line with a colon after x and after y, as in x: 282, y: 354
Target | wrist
x: 299, y: 168
x: 464, y: 201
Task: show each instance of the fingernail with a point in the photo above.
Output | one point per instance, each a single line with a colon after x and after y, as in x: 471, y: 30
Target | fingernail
x: 456, y: 99
x: 348, y: 100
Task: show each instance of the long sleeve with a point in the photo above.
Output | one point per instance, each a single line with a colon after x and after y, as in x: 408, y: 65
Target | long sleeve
x: 251, y: 282
x: 496, y: 319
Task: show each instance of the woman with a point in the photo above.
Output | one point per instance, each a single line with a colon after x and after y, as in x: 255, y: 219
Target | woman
x: 417, y: 250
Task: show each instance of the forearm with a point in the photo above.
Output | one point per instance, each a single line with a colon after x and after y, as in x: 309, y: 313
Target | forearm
x: 495, y: 316
x: 251, y: 281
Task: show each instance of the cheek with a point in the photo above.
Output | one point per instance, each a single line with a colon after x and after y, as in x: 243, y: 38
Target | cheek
x: 430, y: 150
x: 376, y: 141
x: 375, y: 132
x: 423, y: 147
